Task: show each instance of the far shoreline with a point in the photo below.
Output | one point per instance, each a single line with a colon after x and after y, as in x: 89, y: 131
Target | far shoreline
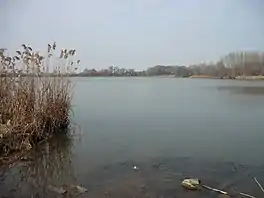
x: 252, y: 78
x: 249, y: 78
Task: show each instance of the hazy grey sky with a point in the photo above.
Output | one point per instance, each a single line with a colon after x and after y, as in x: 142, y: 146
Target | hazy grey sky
x: 135, y: 33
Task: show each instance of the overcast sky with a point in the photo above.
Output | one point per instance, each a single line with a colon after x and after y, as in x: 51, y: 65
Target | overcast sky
x: 135, y: 33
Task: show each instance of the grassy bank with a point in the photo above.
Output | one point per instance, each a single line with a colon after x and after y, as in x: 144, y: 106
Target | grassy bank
x: 33, y: 108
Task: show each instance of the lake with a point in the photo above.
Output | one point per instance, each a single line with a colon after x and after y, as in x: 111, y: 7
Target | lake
x: 169, y: 128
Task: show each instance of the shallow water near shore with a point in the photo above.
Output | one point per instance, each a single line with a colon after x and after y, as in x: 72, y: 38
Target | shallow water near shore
x: 169, y: 128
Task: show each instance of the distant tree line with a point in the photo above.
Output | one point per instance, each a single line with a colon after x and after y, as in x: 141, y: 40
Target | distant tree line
x: 112, y: 71
x: 160, y: 70
x: 231, y: 65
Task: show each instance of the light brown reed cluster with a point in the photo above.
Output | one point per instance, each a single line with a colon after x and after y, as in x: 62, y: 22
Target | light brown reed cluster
x: 34, y: 103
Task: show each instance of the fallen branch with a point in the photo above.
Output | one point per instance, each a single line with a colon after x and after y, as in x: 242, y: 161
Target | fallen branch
x: 215, y: 190
x: 258, y: 184
x: 225, y: 193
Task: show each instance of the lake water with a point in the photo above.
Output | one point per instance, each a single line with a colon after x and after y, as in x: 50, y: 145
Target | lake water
x: 169, y: 128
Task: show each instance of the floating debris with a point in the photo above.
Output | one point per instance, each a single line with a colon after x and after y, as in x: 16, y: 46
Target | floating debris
x: 195, y: 184
x: 78, y: 189
x: 135, y: 168
x: 71, y: 189
x: 58, y: 190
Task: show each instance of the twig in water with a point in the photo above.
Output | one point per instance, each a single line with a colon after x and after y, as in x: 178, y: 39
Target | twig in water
x: 225, y: 193
x: 247, y: 195
x: 214, y: 189
x: 258, y: 184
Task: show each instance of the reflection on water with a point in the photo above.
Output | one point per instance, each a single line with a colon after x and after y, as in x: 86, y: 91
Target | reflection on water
x: 49, y: 164
x: 243, y: 89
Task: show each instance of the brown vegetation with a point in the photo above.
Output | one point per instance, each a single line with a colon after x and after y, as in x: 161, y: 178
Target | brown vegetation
x: 33, y: 106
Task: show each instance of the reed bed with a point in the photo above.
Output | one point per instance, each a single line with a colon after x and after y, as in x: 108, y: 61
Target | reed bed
x: 34, y: 102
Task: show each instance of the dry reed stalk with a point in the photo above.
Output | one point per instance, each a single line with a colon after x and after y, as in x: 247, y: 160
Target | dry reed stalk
x: 33, y: 105
x: 259, y: 185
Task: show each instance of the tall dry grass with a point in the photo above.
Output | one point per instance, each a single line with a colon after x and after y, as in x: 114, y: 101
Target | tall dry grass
x: 34, y: 103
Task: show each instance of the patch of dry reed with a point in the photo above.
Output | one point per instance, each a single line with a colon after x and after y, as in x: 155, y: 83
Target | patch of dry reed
x: 34, y: 103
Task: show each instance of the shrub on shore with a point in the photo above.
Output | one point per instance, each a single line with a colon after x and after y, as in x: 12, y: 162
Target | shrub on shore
x: 34, y: 103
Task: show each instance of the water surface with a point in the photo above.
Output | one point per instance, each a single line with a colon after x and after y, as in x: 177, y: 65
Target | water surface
x: 170, y: 128
x: 140, y: 118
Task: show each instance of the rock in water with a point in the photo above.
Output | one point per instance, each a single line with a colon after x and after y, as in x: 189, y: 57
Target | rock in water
x: 191, y: 184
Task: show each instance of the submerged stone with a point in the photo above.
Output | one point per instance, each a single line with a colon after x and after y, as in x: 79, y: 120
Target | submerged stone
x: 191, y: 184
